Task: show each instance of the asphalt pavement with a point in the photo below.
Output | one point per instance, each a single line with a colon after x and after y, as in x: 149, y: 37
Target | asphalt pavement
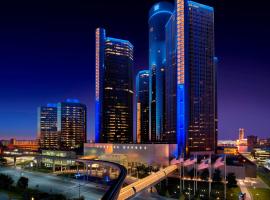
x: 55, y: 184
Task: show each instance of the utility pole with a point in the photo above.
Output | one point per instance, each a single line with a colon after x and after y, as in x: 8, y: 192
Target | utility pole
x: 79, y: 190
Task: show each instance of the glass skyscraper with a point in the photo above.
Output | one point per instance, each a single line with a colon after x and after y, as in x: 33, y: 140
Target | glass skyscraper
x: 62, y: 126
x: 142, y: 106
x: 71, y: 125
x: 158, y: 17
x: 47, y: 127
x: 190, y: 104
x: 114, y: 89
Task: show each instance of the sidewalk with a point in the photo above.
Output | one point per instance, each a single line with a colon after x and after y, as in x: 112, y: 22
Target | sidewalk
x: 244, y: 189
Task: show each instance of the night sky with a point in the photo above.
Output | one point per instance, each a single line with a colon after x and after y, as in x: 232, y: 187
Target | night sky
x: 47, y: 55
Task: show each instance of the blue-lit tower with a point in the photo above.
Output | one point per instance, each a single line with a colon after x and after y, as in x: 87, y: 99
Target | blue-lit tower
x: 142, y: 107
x: 47, y: 127
x: 158, y: 17
x: 114, y: 89
x: 202, y: 129
x: 71, y: 125
x: 191, y: 102
x: 99, y: 81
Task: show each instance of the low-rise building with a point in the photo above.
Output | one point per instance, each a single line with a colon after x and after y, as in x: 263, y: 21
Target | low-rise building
x: 132, y: 154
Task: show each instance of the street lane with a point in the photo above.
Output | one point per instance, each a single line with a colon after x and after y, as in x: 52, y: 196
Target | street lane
x: 55, y: 184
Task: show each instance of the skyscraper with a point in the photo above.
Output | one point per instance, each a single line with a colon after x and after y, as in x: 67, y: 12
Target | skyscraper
x: 158, y: 17
x: 47, y: 127
x: 71, y: 124
x: 114, y: 89
x: 201, y: 51
x: 241, y: 133
x: 191, y: 111
x: 142, y: 105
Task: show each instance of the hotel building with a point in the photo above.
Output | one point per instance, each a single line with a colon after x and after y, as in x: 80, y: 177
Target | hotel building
x: 62, y: 126
x: 71, y: 125
x: 114, y: 89
x: 47, y: 127
x: 190, y: 107
x: 158, y: 17
x: 142, y: 107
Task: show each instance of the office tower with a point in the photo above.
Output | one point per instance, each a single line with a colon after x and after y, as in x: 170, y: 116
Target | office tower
x: 191, y: 111
x: 241, y: 134
x: 252, y: 141
x: 202, y: 93
x: 71, y: 124
x: 47, y: 127
x: 142, y: 106
x: 158, y: 17
x: 114, y: 89
x: 169, y: 135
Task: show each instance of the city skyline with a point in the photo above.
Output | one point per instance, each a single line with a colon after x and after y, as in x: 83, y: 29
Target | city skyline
x: 22, y: 115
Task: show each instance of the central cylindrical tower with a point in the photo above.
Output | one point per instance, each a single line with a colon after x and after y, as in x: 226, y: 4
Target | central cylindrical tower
x: 159, y: 15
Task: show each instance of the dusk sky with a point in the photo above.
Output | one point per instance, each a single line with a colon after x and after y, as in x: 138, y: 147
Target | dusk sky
x: 47, y: 55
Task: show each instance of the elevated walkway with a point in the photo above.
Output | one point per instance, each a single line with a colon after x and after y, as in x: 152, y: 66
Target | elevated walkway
x: 145, y: 183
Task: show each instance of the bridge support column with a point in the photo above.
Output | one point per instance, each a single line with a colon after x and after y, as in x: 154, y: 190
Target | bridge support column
x: 85, y: 171
x: 38, y: 161
x: 90, y: 171
x: 14, y: 159
x: 53, y: 165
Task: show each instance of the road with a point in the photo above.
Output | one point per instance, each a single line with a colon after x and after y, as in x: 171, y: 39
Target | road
x: 55, y: 184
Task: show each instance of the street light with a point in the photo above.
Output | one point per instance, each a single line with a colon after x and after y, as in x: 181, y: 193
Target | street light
x: 257, y: 196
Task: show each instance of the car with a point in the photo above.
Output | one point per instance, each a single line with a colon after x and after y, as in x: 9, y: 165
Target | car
x: 242, y: 196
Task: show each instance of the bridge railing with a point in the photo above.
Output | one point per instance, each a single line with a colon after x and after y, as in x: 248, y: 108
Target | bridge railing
x: 142, y: 184
x: 113, y: 192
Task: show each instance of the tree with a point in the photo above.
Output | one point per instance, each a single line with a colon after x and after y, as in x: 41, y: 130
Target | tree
x: 5, y: 181
x: 22, y: 183
x: 205, y: 174
x: 3, y: 161
x: 253, y: 153
x: 231, y: 178
x: 217, y: 175
x: 191, y: 173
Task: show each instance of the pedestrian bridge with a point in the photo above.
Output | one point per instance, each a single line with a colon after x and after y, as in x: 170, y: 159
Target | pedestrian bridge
x: 116, y: 192
x: 145, y: 183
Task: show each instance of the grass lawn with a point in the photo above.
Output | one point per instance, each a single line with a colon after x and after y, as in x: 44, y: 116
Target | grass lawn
x: 232, y: 193
x: 264, y: 175
x: 259, y: 193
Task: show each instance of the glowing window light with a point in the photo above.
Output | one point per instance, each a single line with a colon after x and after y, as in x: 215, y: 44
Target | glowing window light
x: 97, y: 62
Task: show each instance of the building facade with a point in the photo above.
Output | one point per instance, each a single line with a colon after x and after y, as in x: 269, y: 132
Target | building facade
x: 252, y: 141
x: 132, y: 155
x: 142, y: 107
x: 114, y: 89
x: 47, y: 127
x: 190, y: 104
x: 71, y: 125
x: 241, y: 133
x: 202, y: 131
x: 158, y: 17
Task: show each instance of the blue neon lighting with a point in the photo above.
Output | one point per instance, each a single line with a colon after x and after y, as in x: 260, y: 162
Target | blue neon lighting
x: 52, y: 105
x: 156, y: 7
x: 160, y: 12
x: 181, y: 127
x: 97, y: 121
x: 72, y: 101
x: 119, y: 41
x: 199, y: 5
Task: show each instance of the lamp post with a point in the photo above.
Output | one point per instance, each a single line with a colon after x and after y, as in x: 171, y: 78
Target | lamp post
x: 79, y: 190
x: 257, y: 196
